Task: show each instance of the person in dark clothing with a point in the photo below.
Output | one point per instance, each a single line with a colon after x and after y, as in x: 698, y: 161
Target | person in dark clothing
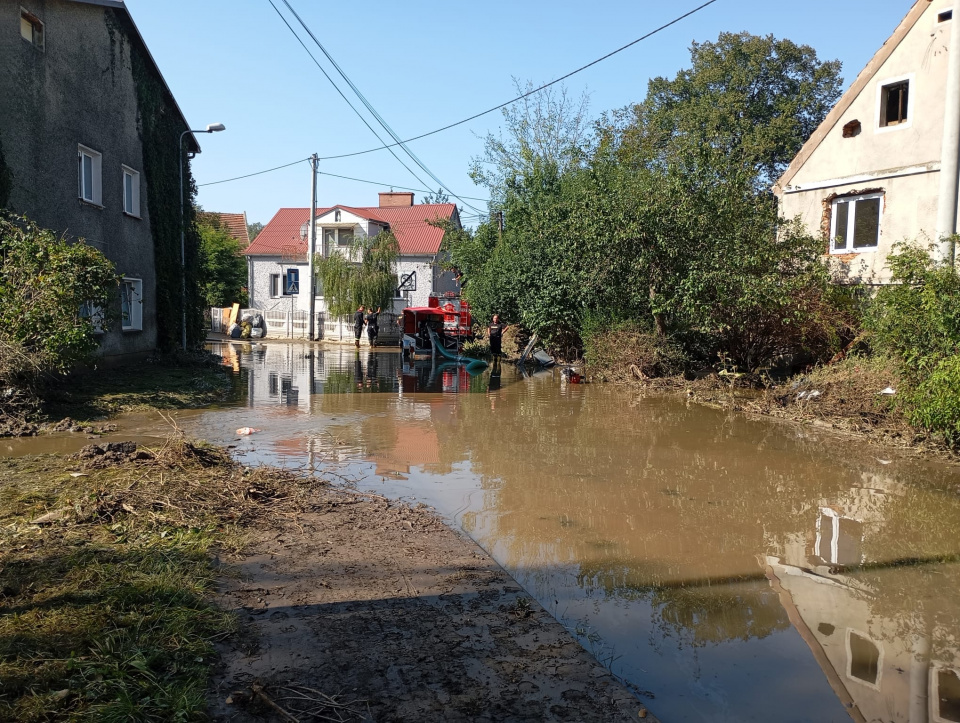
x: 358, y: 324
x: 373, y: 325
x: 495, y: 335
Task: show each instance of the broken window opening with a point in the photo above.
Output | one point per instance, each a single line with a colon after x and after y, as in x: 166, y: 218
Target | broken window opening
x: 894, y: 103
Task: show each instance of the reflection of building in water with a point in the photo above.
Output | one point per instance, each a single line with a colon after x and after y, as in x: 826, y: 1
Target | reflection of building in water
x: 881, y: 666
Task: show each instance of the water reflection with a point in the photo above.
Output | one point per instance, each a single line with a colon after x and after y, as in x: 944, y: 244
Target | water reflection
x: 734, y: 569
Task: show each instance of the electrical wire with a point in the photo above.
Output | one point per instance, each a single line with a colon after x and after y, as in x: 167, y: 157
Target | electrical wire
x: 347, y: 100
x: 395, y: 185
x: 251, y: 175
x: 535, y: 90
x: 457, y: 123
x: 373, y: 111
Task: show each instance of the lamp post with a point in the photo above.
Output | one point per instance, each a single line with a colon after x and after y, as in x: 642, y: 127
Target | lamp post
x: 212, y: 128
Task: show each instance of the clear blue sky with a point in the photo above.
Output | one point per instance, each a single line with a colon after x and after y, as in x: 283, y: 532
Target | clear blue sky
x: 425, y: 64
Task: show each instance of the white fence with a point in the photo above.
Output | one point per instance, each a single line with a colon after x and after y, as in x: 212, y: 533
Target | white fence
x: 295, y: 325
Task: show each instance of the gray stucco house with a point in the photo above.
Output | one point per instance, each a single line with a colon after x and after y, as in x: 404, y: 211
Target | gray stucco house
x: 88, y: 140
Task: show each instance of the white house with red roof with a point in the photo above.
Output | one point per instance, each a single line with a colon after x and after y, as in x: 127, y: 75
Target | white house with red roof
x: 277, y: 258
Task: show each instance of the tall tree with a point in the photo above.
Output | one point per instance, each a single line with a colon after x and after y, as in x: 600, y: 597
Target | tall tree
x: 547, y: 127
x: 224, y: 268
x: 365, y: 275
x: 254, y: 229
x: 755, y: 99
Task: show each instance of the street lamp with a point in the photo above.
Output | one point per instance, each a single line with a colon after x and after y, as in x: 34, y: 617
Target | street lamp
x: 212, y: 128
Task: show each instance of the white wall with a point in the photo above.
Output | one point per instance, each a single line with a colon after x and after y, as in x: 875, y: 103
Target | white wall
x: 901, y: 160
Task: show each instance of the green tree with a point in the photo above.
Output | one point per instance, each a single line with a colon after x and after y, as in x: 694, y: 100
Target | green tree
x: 224, y: 268
x: 548, y: 127
x: 440, y: 196
x: 49, y: 288
x: 755, y: 99
x: 254, y: 229
x: 365, y: 275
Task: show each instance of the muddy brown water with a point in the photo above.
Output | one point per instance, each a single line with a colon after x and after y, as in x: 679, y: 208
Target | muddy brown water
x: 726, y: 568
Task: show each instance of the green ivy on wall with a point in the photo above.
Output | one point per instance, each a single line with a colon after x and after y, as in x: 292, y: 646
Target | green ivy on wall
x: 160, y: 125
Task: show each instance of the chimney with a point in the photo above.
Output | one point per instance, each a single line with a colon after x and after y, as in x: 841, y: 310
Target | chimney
x: 396, y: 198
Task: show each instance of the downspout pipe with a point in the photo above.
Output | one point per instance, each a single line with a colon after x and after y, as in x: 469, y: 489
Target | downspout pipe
x: 950, y: 150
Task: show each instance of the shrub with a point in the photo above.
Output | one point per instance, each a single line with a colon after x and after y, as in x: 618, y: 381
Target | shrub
x: 477, y: 348
x: 611, y: 352
x: 935, y: 403
x: 917, y: 319
x: 45, y: 283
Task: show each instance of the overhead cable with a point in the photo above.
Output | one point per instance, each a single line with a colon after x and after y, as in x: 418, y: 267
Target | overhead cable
x: 369, y: 106
x: 347, y: 100
x: 251, y: 175
x: 459, y: 122
x: 530, y: 92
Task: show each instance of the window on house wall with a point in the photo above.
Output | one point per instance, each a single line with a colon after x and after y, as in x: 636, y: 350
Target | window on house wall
x: 31, y: 29
x: 344, y: 237
x: 276, y: 287
x: 894, y: 103
x: 131, y: 192
x: 292, y: 282
x: 131, y: 305
x: 89, y: 167
x: 944, y: 15
x: 855, y: 223
x: 95, y: 314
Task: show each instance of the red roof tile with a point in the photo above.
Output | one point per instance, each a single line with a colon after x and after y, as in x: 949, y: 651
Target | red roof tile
x: 408, y: 223
x: 234, y: 224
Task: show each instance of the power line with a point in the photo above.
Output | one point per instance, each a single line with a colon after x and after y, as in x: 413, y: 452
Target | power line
x: 530, y: 92
x: 251, y: 175
x: 451, y: 125
x: 346, y: 100
x: 334, y: 175
x: 369, y: 106
x: 395, y: 185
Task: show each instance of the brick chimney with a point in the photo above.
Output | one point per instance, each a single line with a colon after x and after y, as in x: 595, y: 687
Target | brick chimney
x: 396, y: 198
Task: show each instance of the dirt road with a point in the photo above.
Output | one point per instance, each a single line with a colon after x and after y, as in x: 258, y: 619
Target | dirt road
x: 360, y: 609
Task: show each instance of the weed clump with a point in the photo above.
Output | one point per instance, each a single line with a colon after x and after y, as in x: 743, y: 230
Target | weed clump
x: 106, y: 567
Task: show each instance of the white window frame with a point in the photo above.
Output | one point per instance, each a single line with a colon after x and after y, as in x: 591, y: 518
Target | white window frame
x: 95, y: 314
x: 36, y: 39
x: 94, y: 185
x: 276, y: 286
x: 134, y: 201
x: 851, y: 225
x: 135, y: 320
x: 879, y: 646
x: 911, y: 103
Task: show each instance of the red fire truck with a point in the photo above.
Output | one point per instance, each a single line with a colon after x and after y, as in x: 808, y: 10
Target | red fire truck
x: 447, y: 315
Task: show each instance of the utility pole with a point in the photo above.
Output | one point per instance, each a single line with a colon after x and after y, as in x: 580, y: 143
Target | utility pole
x: 950, y: 153
x: 312, y: 246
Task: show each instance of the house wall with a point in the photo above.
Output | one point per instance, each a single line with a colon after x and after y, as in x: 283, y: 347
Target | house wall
x: 903, y: 161
x: 423, y: 265
x: 78, y: 90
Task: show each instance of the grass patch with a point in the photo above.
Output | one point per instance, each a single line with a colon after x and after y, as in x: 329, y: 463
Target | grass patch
x: 177, y: 381
x: 105, y: 578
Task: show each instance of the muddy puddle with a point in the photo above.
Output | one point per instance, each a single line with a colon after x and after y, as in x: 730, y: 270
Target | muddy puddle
x: 727, y: 569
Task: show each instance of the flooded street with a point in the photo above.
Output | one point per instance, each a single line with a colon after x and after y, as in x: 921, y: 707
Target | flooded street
x: 727, y: 569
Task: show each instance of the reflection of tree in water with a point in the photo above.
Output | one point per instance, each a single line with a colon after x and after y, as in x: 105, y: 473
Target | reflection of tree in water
x: 645, y: 497
x: 694, y: 613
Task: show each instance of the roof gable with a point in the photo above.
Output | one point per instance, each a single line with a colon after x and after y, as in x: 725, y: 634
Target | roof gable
x: 410, y: 224
x: 853, y: 92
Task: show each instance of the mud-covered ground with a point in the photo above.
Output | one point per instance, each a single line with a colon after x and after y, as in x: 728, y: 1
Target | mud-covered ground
x: 360, y: 609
